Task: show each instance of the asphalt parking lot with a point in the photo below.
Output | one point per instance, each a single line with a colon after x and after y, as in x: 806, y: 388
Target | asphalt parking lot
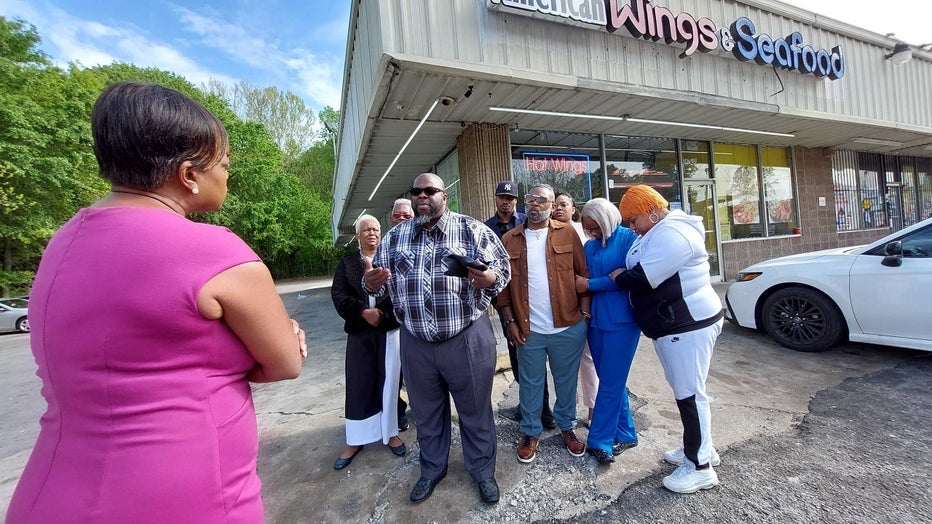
x: 833, y: 437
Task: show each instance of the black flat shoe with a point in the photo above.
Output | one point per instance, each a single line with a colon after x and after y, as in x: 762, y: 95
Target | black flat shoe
x: 399, y: 451
x: 619, y: 447
x: 403, y: 424
x: 424, y: 489
x: 601, y: 456
x: 488, y: 490
x: 343, y: 462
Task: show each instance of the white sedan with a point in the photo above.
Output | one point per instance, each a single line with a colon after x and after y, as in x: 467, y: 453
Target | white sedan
x: 880, y: 293
x: 14, y: 315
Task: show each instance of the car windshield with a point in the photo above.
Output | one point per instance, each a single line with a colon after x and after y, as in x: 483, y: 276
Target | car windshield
x: 15, y: 303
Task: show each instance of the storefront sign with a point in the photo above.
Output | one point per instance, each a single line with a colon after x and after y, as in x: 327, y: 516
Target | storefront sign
x: 551, y: 163
x: 643, y: 19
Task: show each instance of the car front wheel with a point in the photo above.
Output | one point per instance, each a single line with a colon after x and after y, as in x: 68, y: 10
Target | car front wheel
x: 802, y: 319
x: 22, y: 325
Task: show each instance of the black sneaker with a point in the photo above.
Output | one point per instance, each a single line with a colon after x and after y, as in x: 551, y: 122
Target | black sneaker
x: 601, y: 456
x: 618, y: 447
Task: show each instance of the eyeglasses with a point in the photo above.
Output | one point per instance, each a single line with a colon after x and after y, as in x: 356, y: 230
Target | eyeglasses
x: 429, y: 191
x: 540, y: 199
x: 402, y: 215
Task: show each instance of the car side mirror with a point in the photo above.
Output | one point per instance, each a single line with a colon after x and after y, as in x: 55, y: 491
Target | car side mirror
x: 894, y: 254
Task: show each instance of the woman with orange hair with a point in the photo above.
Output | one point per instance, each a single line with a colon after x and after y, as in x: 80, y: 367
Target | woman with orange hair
x: 667, y: 276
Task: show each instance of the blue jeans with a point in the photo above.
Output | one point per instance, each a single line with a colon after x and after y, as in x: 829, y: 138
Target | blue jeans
x: 564, y: 350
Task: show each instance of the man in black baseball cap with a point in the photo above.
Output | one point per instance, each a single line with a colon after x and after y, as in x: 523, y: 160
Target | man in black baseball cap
x: 505, y: 218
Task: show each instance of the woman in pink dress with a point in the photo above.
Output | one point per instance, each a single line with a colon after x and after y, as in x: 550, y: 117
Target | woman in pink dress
x: 147, y: 329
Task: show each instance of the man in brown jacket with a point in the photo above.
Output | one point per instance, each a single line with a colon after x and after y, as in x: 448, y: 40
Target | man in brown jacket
x: 545, y: 318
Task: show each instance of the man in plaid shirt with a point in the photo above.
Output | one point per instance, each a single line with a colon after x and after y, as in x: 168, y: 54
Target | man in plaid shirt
x: 448, y: 347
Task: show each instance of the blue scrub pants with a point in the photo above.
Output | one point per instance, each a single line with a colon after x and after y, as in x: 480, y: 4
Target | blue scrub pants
x: 612, y: 354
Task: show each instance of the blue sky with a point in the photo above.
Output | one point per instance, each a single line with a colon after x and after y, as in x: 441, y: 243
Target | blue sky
x: 294, y: 45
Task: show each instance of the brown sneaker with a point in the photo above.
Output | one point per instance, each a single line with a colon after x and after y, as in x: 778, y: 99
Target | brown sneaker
x: 573, y: 444
x: 527, y: 449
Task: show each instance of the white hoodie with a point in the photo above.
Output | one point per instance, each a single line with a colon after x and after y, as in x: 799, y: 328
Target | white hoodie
x: 668, y: 278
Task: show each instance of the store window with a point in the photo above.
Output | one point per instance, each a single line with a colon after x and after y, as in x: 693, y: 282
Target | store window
x: 696, y: 159
x: 859, y: 198
x: 924, y: 191
x: 869, y: 192
x: 570, y: 162
x: 910, y: 196
x: 739, y: 191
x: 873, y: 190
x: 779, y: 202
x: 846, y: 177
x: 632, y: 160
x: 448, y: 169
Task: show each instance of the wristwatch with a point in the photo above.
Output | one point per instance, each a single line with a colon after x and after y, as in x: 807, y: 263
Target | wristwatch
x: 587, y: 315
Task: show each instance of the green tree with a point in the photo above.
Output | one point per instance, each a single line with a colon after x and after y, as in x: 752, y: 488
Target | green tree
x: 289, y: 121
x: 330, y: 120
x: 47, y: 169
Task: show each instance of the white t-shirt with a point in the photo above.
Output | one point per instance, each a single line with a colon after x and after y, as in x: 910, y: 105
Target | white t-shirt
x: 539, y: 282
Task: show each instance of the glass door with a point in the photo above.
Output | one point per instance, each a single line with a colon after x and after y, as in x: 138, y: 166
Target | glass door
x: 700, y: 201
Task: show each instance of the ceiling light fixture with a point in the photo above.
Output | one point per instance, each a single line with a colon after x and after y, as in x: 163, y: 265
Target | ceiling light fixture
x: 402, y: 150
x: 901, y: 54
x: 876, y: 141
x: 627, y: 118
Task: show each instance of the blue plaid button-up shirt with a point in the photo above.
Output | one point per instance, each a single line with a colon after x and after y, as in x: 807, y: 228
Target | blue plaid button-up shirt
x: 432, y: 305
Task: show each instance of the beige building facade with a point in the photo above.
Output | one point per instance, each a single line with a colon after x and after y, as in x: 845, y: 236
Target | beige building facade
x: 786, y: 130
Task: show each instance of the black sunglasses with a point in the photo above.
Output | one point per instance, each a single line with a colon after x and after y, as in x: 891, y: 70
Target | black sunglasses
x: 429, y: 191
x: 540, y: 199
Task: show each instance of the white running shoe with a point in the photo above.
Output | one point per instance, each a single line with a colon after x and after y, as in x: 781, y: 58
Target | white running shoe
x: 676, y: 457
x: 688, y: 479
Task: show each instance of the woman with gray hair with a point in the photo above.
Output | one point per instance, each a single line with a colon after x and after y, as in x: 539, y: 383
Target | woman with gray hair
x: 613, y: 334
x: 372, y: 368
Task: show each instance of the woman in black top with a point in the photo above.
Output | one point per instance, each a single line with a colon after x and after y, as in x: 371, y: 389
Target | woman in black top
x: 373, y: 369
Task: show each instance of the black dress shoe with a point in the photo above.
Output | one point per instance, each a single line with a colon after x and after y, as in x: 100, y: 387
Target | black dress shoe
x: 618, y: 447
x: 403, y: 424
x: 424, y: 489
x: 399, y: 450
x: 343, y: 462
x: 548, y: 422
x: 488, y: 490
x: 511, y: 414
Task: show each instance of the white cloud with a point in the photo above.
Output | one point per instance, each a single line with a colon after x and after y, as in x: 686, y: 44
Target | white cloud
x: 72, y: 39
x: 321, y: 81
x: 319, y: 75
x: 907, y: 19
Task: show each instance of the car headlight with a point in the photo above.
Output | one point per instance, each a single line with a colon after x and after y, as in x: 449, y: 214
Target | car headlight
x: 747, y: 276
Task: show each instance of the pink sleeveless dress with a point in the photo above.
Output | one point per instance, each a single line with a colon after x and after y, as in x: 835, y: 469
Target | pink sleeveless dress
x: 150, y: 416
